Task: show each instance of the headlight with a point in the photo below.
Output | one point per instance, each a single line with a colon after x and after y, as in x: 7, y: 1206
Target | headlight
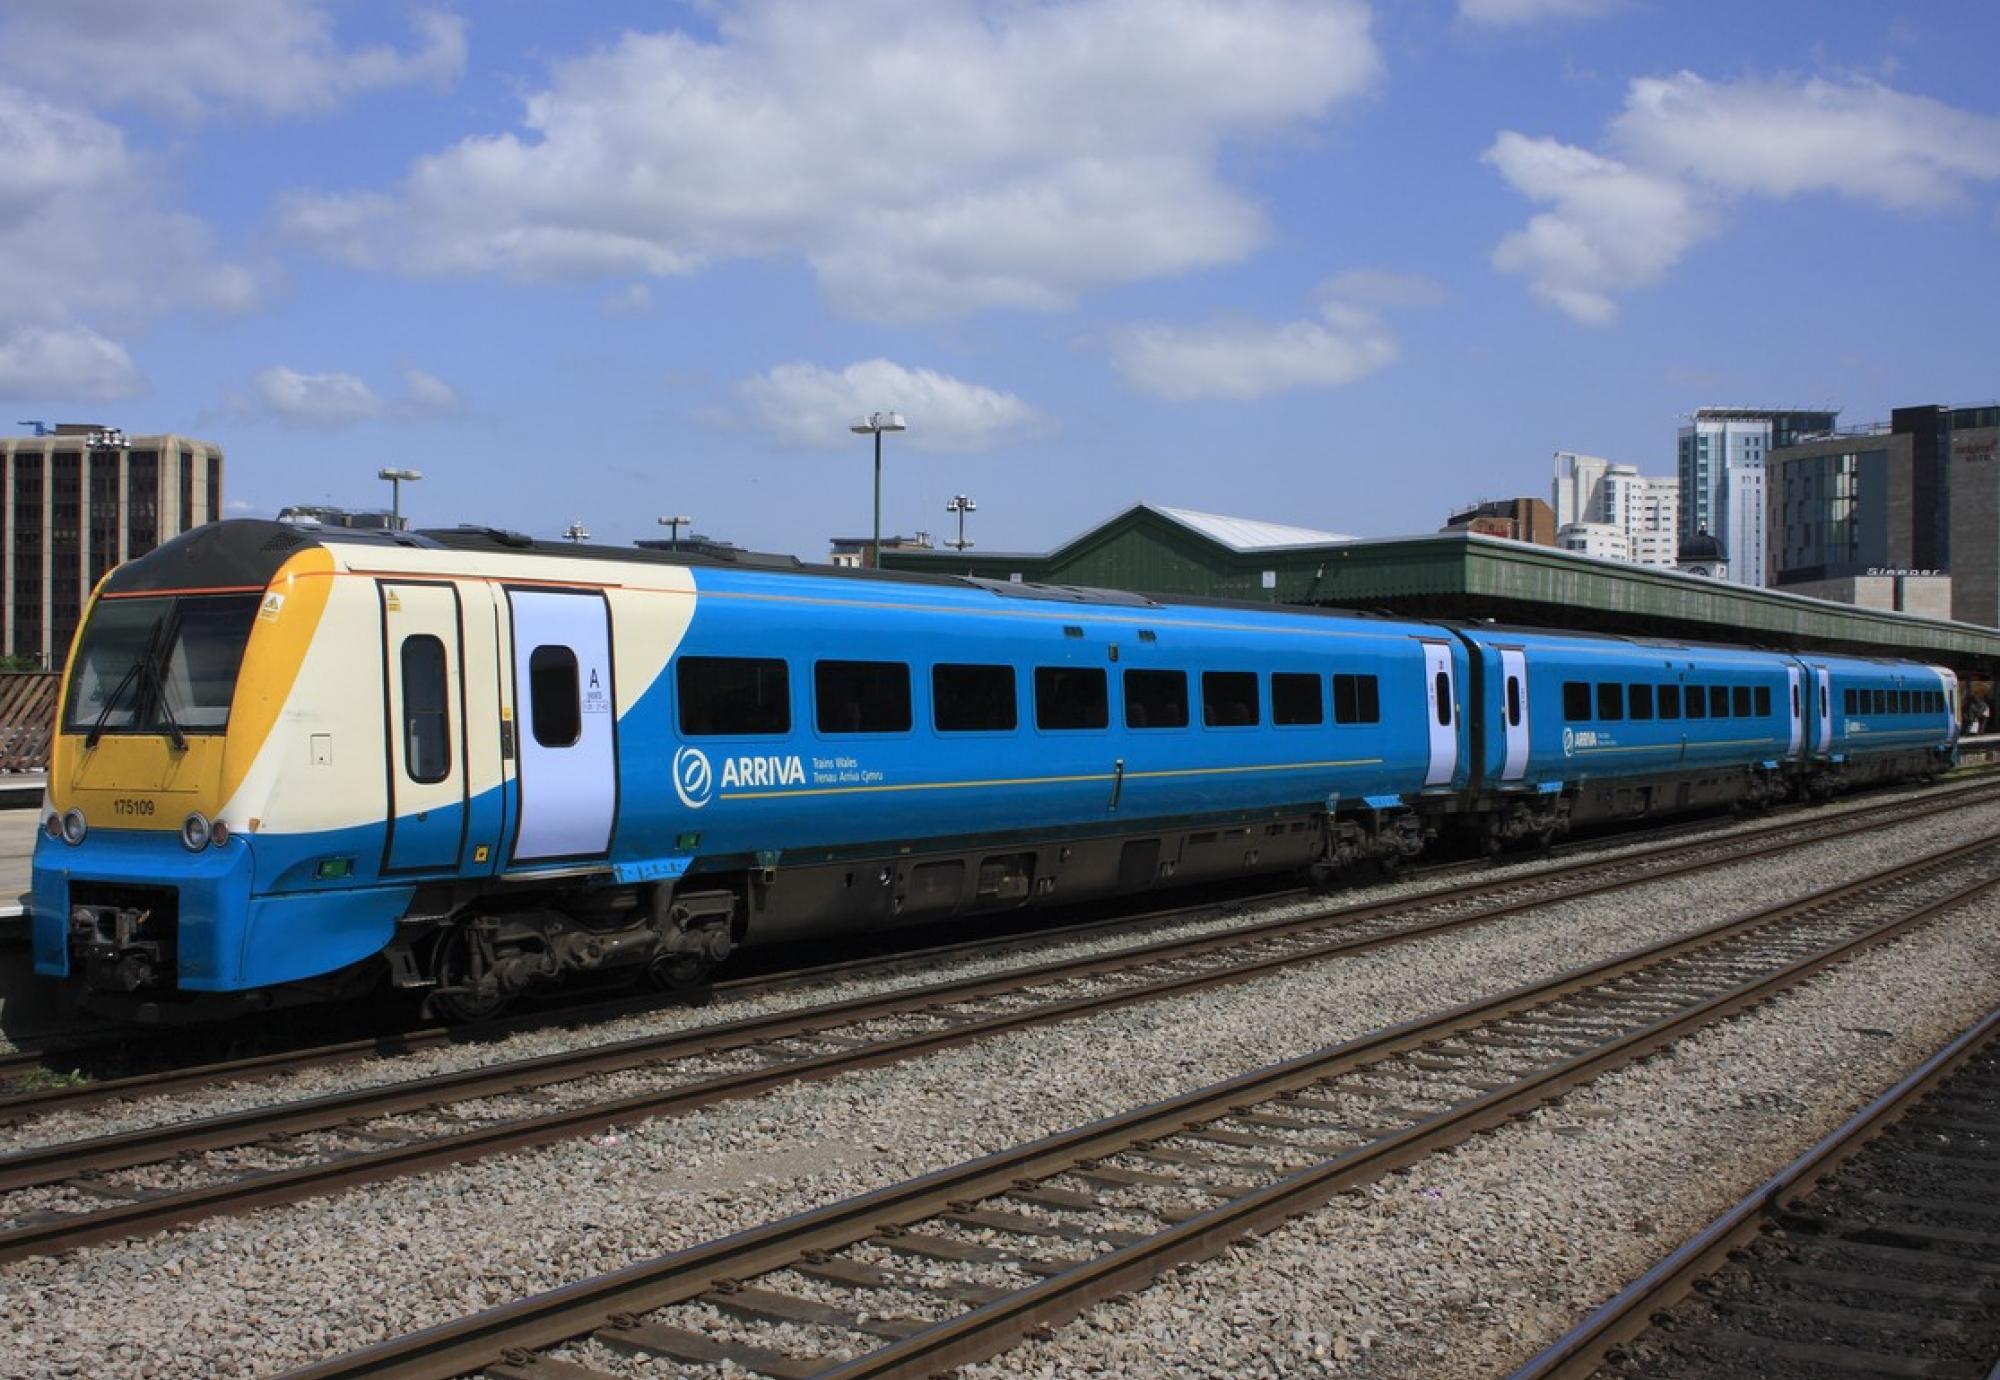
x: 218, y: 833
x: 52, y: 826
x: 73, y: 828
x: 194, y: 832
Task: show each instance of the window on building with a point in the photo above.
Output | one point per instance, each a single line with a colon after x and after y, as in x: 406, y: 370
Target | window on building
x: 1763, y: 693
x: 1576, y: 701
x: 1610, y: 701
x: 1068, y: 697
x: 1156, y: 699
x: 861, y: 696
x: 727, y: 696
x: 426, y: 710
x: 1670, y: 701
x: 972, y: 699
x: 557, y: 714
x: 1297, y: 699
x: 1356, y: 700
x: 1229, y: 699
x: 1640, y: 700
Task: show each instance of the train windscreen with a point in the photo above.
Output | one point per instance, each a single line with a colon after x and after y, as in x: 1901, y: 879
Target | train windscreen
x: 159, y: 664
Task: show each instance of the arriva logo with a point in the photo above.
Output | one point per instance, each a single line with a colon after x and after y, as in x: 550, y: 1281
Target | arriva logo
x: 1569, y: 743
x: 762, y: 771
x: 694, y: 779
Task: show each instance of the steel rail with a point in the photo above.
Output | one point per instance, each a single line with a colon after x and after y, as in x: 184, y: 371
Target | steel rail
x: 74, y: 1161
x: 503, y: 1339
x: 1629, y: 1312
x: 18, y: 1105
x: 42, y: 1165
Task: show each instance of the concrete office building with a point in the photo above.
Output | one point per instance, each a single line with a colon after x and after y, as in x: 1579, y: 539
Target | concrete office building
x: 1904, y: 516
x: 79, y: 500
x: 1721, y: 454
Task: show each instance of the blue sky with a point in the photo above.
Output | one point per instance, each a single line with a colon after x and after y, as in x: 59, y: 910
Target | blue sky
x: 1310, y: 261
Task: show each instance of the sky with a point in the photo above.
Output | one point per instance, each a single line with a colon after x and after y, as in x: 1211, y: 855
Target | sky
x: 1321, y: 262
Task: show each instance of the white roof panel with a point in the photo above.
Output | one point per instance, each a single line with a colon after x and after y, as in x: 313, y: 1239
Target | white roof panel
x: 1247, y: 534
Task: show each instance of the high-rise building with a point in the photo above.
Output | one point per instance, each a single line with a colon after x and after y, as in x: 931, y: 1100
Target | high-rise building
x: 1721, y: 453
x: 1595, y: 497
x: 1517, y: 519
x: 79, y: 499
x: 1903, y: 516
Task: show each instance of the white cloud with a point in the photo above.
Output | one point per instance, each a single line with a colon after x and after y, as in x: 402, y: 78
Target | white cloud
x: 805, y: 405
x: 334, y: 400
x: 191, y: 57
x: 1244, y: 360
x: 1383, y: 287
x: 1613, y: 228
x: 64, y: 364
x: 956, y: 154
x: 634, y: 299
x: 1685, y: 149
x: 1508, y: 12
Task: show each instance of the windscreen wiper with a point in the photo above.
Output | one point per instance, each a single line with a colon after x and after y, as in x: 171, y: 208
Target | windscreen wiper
x: 97, y: 729
x: 159, y: 679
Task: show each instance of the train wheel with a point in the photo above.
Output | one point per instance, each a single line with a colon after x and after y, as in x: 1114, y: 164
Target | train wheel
x: 680, y: 972
x: 467, y: 988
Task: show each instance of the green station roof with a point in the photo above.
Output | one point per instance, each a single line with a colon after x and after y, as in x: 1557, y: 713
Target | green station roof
x: 1167, y: 552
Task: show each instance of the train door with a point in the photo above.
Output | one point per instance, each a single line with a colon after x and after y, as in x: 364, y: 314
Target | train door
x: 1514, y: 711
x: 567, y: 724
x: 1798, y: 711
x: 423, y: 666
x: 1823, y: 685
x: 1439, y: 698
x: 1949, y: 682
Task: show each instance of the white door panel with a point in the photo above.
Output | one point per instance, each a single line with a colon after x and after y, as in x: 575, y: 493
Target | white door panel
x: 1822, y: 681
x: 1439, y: 695
x: 567, y: 724
x: 1514, y: 712
x: 1798, y: 711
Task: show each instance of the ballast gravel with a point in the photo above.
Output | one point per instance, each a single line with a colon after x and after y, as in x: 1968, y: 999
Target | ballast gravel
x: 1470, y: 1260
x: 1834, y: 861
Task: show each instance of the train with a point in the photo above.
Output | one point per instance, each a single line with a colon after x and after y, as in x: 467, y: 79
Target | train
x: 296, y: 764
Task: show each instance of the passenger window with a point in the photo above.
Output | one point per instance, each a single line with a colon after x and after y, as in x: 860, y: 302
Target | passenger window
x: 1513, y: 701
x: 552, y: 690
x: 426, y: 710
x: 972, y: 699
x: 733, y: 696
x: 1875, y: 702
x: 1903, y: 699
x: 1718, y: 701
x: 862, y: 696
x: 1670, y: 701
x: 1697, y: 703
x: 1576, y: 701
x: 1610, y: 702
x: 1071, y: 697
x: 1641, y: 700
x: 1156, y: 699
x: 1296, y: 699
x: 1847, y: 698
x: 1441, y: 691
x: 1763, y: 701
x: 1228, y: 699
x: 1356, y: 700
x: 1741, y: 696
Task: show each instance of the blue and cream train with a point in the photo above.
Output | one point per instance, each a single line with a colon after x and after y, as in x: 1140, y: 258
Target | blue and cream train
x: 293, y: 763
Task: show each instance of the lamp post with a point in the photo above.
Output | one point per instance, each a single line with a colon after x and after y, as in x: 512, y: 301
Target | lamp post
x: 397, y: 478
x: 576, y: 532
x: 877, y: 423
x: 961, y: 505
x: 674, y: 525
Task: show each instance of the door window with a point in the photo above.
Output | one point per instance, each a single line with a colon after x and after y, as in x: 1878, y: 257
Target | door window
x: 426, y: 710
x: 552, y: 686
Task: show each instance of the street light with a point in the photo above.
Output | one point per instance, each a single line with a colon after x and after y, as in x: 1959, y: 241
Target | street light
x: 961, y: 505
x: 576, y: 531
x: 398, y: 478
x: 674, y: 525
x: 877, y: 423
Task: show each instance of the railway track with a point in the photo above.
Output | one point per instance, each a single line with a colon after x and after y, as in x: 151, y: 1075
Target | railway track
x: 1876, y: 1252
x: 67, y: 1194
x: 63, y: 1088
x: 959, y: 1264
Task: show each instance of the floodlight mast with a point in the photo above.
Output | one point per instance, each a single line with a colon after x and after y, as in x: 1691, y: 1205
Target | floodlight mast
x: 876, y: 423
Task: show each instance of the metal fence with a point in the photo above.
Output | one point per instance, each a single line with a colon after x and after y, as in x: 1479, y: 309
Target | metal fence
x: 27, y: 719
